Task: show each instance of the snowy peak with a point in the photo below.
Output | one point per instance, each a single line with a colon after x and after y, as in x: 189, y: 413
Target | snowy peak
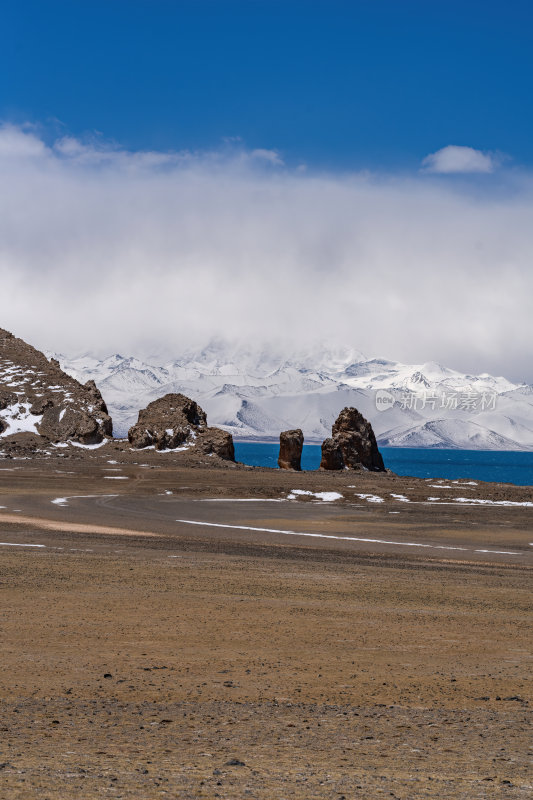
x: 256, y: 392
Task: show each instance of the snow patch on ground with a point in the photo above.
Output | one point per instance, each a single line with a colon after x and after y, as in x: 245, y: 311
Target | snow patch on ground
x: 89, y: 446
x: 16, y: 544
x: 63, y: 501
x: 240, y: 500
x: 479, y: 501
x: 179, y: 449
x: 371, y: 498
x: 326, y: 497
x: 401, y: 497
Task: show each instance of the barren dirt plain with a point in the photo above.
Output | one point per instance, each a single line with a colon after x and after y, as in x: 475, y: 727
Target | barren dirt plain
x: 173, y: 627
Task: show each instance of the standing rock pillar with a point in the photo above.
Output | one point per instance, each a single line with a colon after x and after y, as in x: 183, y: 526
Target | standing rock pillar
x: 290, y: 449
x: 352, y: 445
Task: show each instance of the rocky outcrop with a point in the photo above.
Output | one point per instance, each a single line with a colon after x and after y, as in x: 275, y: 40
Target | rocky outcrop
x: 218, y: 442
x: 331, y: 455
x: 167, y: 423
x: 290, y: 449
x: 353, y: 444
x: 356, y: 439
x: 38, y: 398
x: 175, y: 421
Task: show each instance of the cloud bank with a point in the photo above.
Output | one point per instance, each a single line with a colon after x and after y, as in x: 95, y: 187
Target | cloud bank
x: 105, y: 250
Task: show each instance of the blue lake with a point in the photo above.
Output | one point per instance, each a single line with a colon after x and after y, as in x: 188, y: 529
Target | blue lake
x: 483, y: 465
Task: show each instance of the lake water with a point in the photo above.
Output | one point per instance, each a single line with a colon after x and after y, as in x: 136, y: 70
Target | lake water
x: 484, y: 465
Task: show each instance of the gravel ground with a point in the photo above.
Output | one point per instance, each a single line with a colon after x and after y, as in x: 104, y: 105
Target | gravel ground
x: 144, y: 659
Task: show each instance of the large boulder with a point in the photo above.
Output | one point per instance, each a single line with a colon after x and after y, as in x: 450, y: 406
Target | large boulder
x: 218, y: 442
x: 38, y: 398
x: 175, y: 421
x: 167, y: 422
x: 354, y: 439
x: 290, y: 449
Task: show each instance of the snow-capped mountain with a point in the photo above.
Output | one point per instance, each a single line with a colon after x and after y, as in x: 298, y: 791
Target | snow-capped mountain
x: 257, y: 392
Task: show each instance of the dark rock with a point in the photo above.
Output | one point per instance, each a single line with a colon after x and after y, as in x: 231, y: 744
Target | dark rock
x: 356, y: 439
x: 217, y: 441
x: 331, y: 455
x: 60, y: 425
x: 290, y: 449
x: 167, y: 422
x: 40, y: 404
x: 234, y: 762
x: 175, y: 420
x: 7, y: 398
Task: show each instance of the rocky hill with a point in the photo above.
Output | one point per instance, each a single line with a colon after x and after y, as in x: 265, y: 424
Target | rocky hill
x: 39, y: 403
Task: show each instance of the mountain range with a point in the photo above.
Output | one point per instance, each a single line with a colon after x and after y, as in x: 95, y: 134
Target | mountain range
x: 256, y: 392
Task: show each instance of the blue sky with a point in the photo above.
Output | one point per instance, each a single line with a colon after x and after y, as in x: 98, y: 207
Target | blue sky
x: 368, y: 83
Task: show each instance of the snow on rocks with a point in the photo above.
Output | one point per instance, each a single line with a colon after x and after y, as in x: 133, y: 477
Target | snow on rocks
x: 175, y: 422
x: 18, y: 418
x: 40, y: 401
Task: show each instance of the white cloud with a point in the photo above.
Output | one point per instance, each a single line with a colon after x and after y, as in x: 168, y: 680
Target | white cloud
x: 17, y: 142
x: 108, y: 250
x: 272, y: 156
x: 453, y: 159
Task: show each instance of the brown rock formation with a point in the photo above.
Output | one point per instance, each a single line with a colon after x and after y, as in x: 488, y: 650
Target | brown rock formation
x: 38, y: 398
x: 331, y: 455
x: 175, y: 420
x: 217, y: 441
x: 290, y: 449
x: 353, y: 444
x: 167, y: 422
x: 357, y: 441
